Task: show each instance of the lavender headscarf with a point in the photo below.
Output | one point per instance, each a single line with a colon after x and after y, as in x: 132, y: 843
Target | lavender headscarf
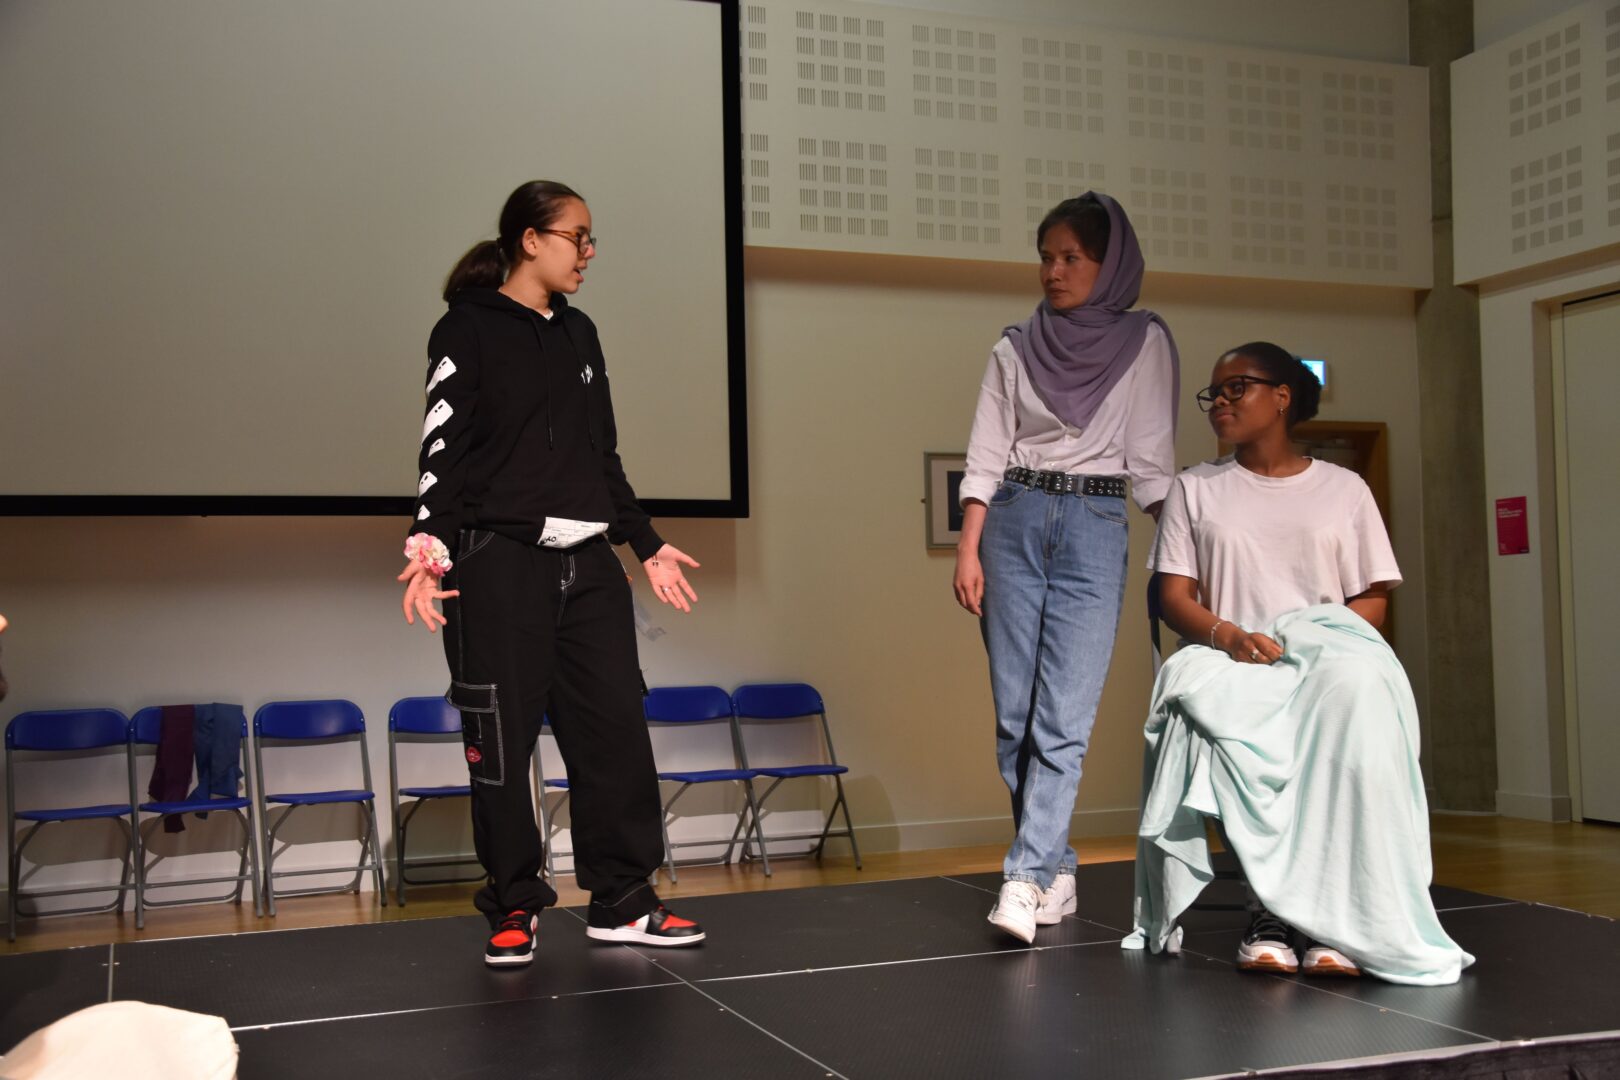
x: 1075, y: 357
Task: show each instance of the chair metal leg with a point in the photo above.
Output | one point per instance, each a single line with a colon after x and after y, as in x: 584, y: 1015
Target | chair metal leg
x: 251, y: 839
x: 265, y: 833
x: 270, y: 856
x: 126, y: 878
x: 376, y: 854
x: 663, y: 824
x: 759, y: 806
x: 737, y: 831
x: 241, y: 865
x: 140, y: 880
x: 13, y: 861
x: 759, y: 829
x: 399, y: 857
x: 552, y: 830
x: 669, y: 852
x: 550, y: 867
x: 16, y: 871
x: 826, y: 827
x: 848, y: 824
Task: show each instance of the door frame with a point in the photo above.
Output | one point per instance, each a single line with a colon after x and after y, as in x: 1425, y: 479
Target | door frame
x: 1566, y: 584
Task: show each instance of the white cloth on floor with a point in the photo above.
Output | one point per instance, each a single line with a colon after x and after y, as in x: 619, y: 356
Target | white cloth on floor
x: 130, y: 1040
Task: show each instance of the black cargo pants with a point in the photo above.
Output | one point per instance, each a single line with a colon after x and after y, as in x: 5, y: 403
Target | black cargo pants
x: 540, y: 631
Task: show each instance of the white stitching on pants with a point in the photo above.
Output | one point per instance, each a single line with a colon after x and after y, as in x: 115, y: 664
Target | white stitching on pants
x: 570, y: 572
x: 475, y: 545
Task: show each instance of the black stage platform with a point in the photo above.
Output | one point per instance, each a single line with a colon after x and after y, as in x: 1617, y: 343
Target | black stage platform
x: 880, y: 979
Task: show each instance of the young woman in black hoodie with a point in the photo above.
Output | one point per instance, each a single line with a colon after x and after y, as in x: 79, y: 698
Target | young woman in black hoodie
x: 521, y: 496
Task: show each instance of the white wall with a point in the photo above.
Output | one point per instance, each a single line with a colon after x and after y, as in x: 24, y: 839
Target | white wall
x: 1367, y: 30
x: 857, y: 365
x: 1535, y: 152
x: 1518, y: 291
x: 958, y: 150
x: 1497, y: 20
x: 1532, y: 762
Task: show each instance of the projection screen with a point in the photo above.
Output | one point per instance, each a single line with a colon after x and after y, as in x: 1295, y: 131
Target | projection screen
x: 226, y: 225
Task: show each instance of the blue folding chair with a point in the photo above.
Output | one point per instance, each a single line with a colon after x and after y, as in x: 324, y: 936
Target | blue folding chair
x: 58, y: 733
x: 145, y: 728
x: 422, y: 719
x: 311, y: 722
x: 775, y: 702
x: 701, y: 705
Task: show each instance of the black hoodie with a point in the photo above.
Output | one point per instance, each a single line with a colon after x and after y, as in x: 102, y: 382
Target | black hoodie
x: 519, y: 426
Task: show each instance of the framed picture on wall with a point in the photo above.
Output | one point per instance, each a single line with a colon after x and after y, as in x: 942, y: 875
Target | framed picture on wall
x: 942, y: 486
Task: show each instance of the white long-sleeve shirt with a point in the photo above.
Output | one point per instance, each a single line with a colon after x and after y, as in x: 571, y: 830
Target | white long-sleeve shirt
x: 1132, y: 433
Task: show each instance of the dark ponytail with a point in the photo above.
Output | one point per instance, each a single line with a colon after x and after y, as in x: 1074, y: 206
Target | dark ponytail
x: 534, y: 205
x: 1283, y: 366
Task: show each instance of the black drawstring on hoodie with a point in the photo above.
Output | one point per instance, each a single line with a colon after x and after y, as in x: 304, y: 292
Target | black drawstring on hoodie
x: 545, y: 367
x: 534, y: 325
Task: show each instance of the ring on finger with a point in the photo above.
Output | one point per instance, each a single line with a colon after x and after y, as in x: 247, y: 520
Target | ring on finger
x: 1254, y: 654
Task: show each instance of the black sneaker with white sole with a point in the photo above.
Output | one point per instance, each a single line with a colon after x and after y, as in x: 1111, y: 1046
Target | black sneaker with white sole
x: 1267, y: 945
x: 511, y: 944
x: 662, y: 928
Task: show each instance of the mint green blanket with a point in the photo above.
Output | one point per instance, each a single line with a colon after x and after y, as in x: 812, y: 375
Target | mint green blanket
x: 1311, y: 765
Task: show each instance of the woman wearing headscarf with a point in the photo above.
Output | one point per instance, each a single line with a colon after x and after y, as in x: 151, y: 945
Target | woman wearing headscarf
x: 1078, y: 404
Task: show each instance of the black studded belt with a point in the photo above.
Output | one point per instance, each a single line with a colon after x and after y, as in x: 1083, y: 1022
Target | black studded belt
x: 1057, y: 483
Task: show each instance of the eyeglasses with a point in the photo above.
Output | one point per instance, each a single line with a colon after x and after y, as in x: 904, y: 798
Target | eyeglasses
x: 1232, y: 390
x: 582, y: 239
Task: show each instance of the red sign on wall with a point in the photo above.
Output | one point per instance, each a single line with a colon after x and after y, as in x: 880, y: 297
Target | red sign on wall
x: 1512, y: 527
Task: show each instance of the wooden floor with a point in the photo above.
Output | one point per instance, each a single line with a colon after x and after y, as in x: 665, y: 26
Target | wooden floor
x: 1568, y: 865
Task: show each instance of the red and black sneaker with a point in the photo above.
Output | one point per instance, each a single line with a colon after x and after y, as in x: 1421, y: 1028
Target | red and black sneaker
x: 512, y: 943
x: 662, y: 927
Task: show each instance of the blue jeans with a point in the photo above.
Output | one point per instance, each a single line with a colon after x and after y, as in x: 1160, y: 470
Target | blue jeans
x: 1054, y: 580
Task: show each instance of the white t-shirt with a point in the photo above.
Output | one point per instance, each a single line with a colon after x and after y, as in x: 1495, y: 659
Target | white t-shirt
x: 1261, y: 547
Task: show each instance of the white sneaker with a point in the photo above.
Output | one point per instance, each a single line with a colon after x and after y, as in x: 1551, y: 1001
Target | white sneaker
x: 1326, y: 960
x: 1015, y: 909
x: 1056, y: 902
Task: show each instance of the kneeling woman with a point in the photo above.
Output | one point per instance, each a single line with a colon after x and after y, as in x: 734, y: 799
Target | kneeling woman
x: 1286, y: 717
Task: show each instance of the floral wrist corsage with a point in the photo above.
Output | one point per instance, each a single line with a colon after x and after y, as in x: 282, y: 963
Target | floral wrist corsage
x: 430, y: 552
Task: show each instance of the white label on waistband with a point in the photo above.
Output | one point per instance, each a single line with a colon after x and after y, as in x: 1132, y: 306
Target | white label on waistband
x: 566, y: 532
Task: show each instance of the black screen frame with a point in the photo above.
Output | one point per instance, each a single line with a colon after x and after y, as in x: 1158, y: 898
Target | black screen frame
x: 736, y: 505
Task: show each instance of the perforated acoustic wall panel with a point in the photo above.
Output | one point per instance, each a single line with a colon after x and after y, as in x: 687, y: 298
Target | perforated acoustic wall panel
x: 1536, y: 150
x: 887, y: 129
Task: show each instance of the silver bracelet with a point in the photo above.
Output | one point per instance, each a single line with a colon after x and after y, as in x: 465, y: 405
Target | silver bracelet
x: 1218, y: 624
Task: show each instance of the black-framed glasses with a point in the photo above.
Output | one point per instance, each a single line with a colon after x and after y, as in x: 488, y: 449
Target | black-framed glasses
x: 582, y: 239
x: 1232, y: 390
